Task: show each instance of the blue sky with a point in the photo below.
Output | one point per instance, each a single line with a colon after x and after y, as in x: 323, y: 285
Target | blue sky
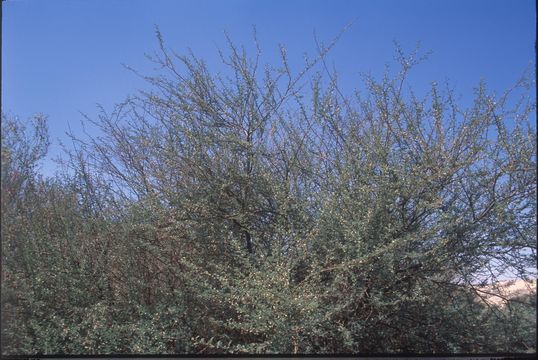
x: 62, y: 57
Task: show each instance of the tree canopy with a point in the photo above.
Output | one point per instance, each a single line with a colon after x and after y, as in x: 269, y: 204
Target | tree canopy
x: 262, y: 210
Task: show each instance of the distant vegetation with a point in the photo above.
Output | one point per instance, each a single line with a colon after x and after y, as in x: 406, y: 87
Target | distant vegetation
x: 265, y: 211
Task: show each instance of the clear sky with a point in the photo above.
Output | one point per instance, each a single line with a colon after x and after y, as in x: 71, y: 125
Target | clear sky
x: 61, y: 57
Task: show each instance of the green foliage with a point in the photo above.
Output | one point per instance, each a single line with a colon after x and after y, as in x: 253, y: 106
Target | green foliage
x: 227, y: 214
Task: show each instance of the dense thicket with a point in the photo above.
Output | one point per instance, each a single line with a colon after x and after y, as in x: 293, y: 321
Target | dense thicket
x: 262, y: 210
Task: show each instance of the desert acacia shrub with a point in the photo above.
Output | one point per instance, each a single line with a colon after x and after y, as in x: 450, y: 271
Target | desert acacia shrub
x: 268, y: 212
